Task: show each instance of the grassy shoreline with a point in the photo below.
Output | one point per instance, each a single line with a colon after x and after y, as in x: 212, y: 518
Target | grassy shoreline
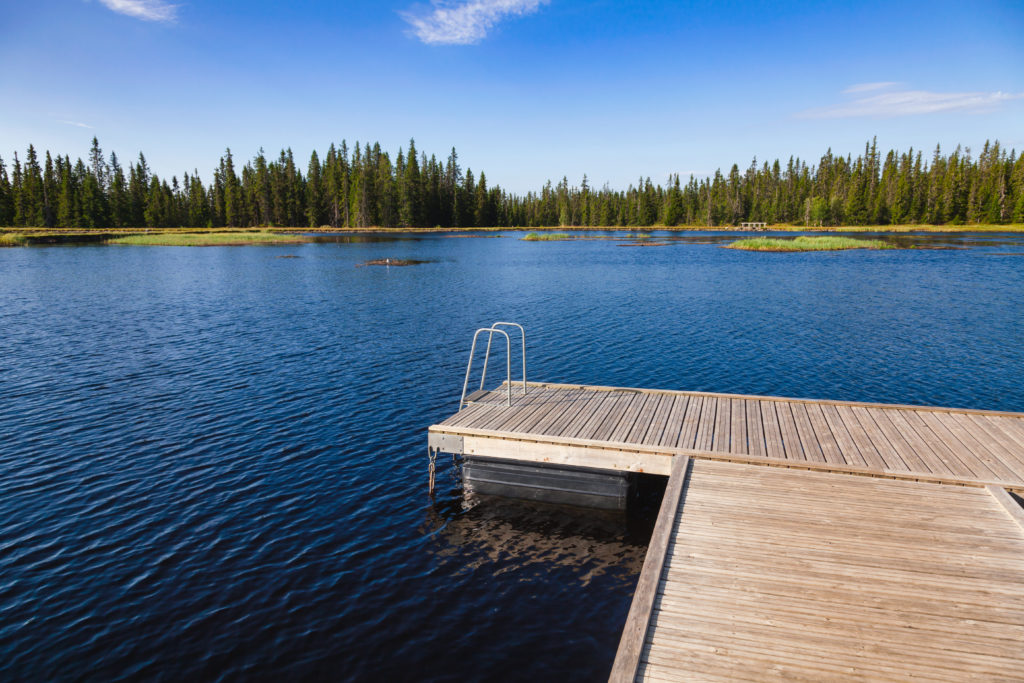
x: 207, y: 239
x: 43, y: 236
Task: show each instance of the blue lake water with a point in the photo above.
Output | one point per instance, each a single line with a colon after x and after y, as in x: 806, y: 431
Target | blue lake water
x: 213, y: 461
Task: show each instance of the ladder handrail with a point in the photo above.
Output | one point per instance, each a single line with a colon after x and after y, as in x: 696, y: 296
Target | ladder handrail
x: 508, y: 362
x: 486, y: 355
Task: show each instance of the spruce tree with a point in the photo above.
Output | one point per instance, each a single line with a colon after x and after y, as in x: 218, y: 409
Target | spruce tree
x: 314, y: 193
x: 6, y: 197
x: 50, y: 192
x: 32, y: 191
x: 233, y: 209
x: 482, y: 214
x: 119, y: 204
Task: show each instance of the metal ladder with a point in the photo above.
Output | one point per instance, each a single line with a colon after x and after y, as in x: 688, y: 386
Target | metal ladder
x: 495, y: 328
x: 433, y: 448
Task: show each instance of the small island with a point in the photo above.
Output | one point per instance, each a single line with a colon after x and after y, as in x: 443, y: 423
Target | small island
x: 807, y: 243
x: 548, y: 237
x: 208, y: 239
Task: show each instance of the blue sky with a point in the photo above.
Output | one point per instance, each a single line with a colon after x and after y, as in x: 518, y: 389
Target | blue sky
x: 525, y: 89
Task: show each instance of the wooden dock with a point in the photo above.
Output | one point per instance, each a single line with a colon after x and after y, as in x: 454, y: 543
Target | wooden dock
x: 639, y: 430
x: 769, y: 560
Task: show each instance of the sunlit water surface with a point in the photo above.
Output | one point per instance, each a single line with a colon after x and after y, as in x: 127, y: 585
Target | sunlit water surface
x: 213, y: 460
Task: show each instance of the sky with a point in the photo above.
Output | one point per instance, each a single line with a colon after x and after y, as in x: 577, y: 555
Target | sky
x: 526, y: 90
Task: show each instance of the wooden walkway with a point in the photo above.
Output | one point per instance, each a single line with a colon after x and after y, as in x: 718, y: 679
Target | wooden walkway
x: 762, y: 573
x: 768, y: 560
x: 640, y: 430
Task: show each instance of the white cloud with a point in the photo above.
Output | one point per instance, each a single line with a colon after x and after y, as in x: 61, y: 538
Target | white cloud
x: 76, y: 123
x: 463, y: 23
x: 866, y: 87
x: 147, y: 10
x: 908, y: 103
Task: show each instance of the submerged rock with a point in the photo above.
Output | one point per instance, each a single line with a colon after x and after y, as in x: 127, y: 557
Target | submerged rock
x: 392, y: 262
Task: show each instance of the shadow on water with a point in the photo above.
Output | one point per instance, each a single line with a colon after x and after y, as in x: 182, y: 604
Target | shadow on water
x: 512, y: 534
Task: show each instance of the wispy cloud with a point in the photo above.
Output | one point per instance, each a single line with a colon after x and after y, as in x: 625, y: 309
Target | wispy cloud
x: 867, y: 87
x: 76, y: 123
x: 147, y: 10
x: 462, y: 23
x: 906, y: 102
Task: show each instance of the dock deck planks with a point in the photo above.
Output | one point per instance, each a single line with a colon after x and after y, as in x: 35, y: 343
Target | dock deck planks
x: 775, y: 573
x: 569, y: 423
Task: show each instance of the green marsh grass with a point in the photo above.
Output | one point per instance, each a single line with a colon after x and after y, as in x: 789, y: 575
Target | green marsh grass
x: 547, y: 237
x: 805, y: 243
x: 12, y: 239
x: 207, y: 239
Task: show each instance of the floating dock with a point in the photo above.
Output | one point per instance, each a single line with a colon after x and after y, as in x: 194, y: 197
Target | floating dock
x: 806, y: 539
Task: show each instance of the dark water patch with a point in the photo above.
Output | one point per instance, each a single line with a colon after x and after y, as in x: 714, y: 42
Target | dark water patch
x: 644, y: 244
x: 473, y: 236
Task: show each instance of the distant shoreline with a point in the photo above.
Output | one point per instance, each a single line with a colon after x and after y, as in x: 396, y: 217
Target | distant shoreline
x: 44, y: 236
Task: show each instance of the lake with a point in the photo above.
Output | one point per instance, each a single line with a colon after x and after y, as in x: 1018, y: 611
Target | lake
x: 214, y: 459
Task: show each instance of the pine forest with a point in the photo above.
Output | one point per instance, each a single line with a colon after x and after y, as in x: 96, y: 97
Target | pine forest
x: 364, y: 186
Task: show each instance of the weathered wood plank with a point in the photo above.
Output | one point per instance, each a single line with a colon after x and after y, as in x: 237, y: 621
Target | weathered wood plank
x: 851, y: 454
x: 773, y: 447
x: 865, y: 447
x: 629, y: 418
x: 977, y: 447
x: 601, y: 417
x: 616, y: 416
x: 659, y: 423
x: 891, y: 459
x: 808, y: 439
x: 723, y: 425
x: 893, y: 429
x: 645, y: 417
x: 995, y: 440
x: 706, y: 428
x: 816, y: 576
x: 674, y: 427
x: 590, y: 404
x: 826, y: 440
x: 785, y: 399
x: 1007, y: 502
x: 755, y: 428
x: 928, y: 440
x: 503, y: 417
x: 542, y: 422
x: 738, y: 430
x: 627, y: 658
x: 790, y: 439
x: 535, y: 411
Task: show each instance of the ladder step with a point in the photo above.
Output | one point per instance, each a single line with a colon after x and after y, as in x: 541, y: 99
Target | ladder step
x: 477, y: 395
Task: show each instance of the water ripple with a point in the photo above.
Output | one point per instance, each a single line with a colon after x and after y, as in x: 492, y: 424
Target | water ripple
x: 213, y: 463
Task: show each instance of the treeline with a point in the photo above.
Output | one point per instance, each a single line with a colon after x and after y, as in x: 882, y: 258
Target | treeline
x: 363, y: 186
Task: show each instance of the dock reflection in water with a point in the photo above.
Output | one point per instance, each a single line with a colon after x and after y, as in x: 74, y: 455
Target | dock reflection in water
x: 497, y: 535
